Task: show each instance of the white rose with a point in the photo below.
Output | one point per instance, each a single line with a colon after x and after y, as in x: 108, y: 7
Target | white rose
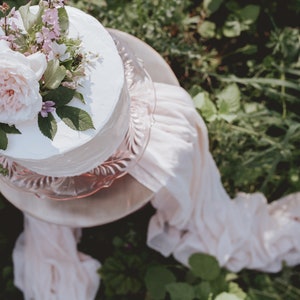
x: 20, y: 99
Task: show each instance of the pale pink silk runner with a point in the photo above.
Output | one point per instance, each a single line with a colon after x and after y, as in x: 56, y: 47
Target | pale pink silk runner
x: 194, y: 214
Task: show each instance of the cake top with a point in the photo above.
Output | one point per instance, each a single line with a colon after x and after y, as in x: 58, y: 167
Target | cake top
x: 61, y: 78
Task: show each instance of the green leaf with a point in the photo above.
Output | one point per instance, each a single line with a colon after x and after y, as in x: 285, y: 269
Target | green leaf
x: 9, y: 128
x: 203, y: 290
x: 219, y: 284
x: 180, y: 291
x: 206, y: 106
x: 29, y: 19
x: 207, y: 29
x: 75, y: 118
x: 61, y: 96
x: 236, y: 290
x: 54, y: 75
x: 156, y: 279
x: 249, y: 13
x: 247, y: 49
x: 47, y: 126
x: 63, y: 20
x: 3, y: 139
x: 211, y: 6
x: 232, y: 28
x: 204, y: 266
x: 259, y: 81
x: 229, y: 99
x: 79, y: 96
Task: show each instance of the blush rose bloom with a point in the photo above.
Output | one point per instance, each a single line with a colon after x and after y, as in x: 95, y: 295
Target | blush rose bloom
x: 20, y: 99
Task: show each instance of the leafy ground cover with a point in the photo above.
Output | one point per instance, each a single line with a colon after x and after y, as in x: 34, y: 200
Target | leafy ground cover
x: 240, y: 62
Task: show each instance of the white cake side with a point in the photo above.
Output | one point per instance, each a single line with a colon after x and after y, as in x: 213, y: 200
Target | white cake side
x: 76, y: 152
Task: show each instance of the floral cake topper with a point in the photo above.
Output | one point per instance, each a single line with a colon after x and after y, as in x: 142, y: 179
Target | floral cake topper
x: 40, y: 70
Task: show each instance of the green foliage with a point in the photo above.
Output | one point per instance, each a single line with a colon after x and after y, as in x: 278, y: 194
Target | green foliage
x: 123, y: 271
x: 205, y: 280
x: 241, y: 49
x: 4, y: 130
x: 284, y: 285
x: 75, y: 118
x: 134, y: 271
x: 204, y: 266
x: 54, y: 74
x: 47, y: 126
x: 157, y: 278
x: 240, y: 62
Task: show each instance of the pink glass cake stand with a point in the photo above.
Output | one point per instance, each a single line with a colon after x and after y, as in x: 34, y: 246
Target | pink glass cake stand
x: 93, y: 201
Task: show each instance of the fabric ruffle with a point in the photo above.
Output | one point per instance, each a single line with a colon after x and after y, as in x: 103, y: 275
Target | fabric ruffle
x: 194, y: 212
x: 48, y: 266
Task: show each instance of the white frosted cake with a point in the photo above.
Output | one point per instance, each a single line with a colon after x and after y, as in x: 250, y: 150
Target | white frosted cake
x: 74, y: 152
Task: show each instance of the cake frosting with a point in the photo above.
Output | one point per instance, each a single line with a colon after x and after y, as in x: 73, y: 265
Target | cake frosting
x: 104, y: 89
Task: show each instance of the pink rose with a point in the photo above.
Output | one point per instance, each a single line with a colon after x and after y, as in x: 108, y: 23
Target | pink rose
x: 20, y: 98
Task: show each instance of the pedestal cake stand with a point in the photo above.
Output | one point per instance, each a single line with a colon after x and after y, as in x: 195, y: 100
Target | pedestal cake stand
x: 121, y: 197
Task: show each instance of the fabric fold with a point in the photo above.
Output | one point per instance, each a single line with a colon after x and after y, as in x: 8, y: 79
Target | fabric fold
x: 48, y: 266
x: 194, y: 212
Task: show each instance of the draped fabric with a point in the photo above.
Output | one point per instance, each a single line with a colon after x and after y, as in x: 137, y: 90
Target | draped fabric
x: 193, y: 214
x: 48, y: 266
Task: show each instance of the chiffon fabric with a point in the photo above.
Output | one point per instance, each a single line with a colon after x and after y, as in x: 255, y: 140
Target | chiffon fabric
x: 193, y: 214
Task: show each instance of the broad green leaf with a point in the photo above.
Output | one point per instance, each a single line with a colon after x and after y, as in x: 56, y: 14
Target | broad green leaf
x: 47, y: 126
x: 229, y: 99
x: 3, y: 139
x: 232, y: 28
x: 9, y: 128
x: 203, y: 290
x: 219, y: 284
x: 61, y: 96
x: 207, y: 29
x: 204, y: 266
x: 29, y: 19
x: 75, y: 118
x: 229, y: 102
x: 237, y: 291
x: 206, y: 106
x: 249, y: 13
x: 229, y: 118
x: 211, y: 6
x: 54, y: 74
x: 180, y: 291
x: 63, y: 20
x: 156, y: 280
x: 227, y: 296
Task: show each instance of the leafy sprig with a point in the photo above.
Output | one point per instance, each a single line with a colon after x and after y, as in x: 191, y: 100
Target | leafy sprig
x: 47, y: 31
x: 4, y: 130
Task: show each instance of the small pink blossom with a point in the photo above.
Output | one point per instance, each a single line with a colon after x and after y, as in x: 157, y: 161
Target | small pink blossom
x: 47, y: 107
x: 50, y: 19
